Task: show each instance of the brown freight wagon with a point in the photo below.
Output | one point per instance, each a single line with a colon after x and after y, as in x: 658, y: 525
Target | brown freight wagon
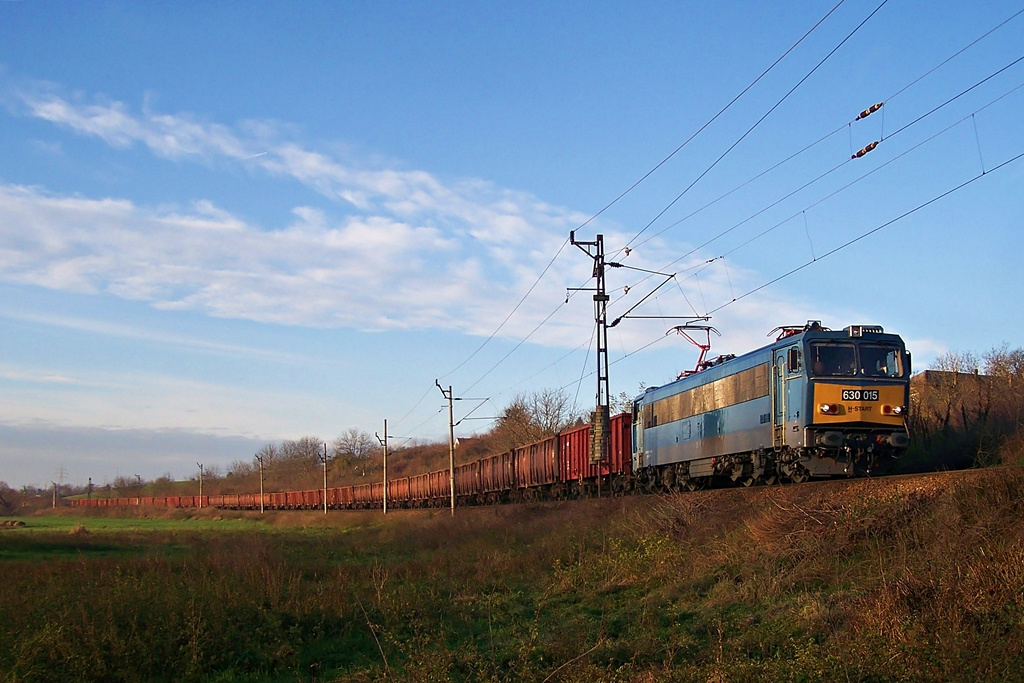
x: 579, y: 475
x: 440, y: 487
x: 536, y: 467
x: 419, y: 489
x: 377, y: 494
x: 361, y: 496
x: 467, y: 481
x: 339, y: 497
x: 399, y: 492
x: 497, y: 476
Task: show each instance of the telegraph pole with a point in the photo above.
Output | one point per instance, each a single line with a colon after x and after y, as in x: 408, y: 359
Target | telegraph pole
x: 451, y: 441
x: 384, y: 444
x: 599, y: 428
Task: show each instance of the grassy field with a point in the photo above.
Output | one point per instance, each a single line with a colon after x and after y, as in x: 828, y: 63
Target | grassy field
x: 872, y: 580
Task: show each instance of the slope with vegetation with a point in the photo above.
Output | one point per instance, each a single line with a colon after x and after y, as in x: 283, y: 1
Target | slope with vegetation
x: 894, y: 579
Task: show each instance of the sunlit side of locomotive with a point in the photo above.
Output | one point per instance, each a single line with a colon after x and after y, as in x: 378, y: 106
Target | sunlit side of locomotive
x: 815, y: 403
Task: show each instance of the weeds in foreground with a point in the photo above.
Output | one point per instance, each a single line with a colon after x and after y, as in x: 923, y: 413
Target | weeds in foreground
x: 873, y: 580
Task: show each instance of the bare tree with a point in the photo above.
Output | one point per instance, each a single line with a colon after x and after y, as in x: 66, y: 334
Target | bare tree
x: 952, y: 391
x: 298, y: 464
x: 355, y: 443
x: 124, y: 485
x: 536, y: 416
x: 354, y: 449
x: 1007, y: 368
x: 241, y: 468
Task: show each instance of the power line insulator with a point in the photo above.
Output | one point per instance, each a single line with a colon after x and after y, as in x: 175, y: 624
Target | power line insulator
x: 869, y: 111
x: 864, y: 151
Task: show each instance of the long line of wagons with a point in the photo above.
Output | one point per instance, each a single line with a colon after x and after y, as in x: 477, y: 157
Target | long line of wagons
x: 815, y: 403
x: 557, y: 467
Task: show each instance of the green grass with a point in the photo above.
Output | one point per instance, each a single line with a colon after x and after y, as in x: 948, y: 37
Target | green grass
x: 876, y: 580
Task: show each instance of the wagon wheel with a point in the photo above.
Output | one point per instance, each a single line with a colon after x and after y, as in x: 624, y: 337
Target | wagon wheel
x: 750, y: 480
x: 618, y: 486
x: 770, y: 479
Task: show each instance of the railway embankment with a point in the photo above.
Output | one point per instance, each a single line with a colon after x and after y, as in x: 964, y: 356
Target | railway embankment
x: 885, y: 579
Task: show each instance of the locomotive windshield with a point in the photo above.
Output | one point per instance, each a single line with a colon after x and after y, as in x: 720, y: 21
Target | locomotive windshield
x: 845, y: 359
x: 880, y: 360
x: 833, y: 359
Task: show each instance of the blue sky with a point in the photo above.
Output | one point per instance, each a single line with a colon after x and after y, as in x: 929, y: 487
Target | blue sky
x: 228, y: 223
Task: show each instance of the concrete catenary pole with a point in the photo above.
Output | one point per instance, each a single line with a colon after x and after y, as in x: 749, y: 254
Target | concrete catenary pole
x: 451, y: 442
x: 384, y: 445
x: 259, y: 459
x: 325, y: 477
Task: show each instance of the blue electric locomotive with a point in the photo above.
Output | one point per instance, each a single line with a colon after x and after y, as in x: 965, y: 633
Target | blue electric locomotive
x: 815, y: 403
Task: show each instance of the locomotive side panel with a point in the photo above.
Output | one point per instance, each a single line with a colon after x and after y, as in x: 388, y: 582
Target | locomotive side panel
x: 717, y: 412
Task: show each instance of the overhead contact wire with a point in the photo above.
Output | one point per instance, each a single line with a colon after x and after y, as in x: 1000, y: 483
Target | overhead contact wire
x: 757, y: 123
x: 872, y: 231
x: 827, y: 136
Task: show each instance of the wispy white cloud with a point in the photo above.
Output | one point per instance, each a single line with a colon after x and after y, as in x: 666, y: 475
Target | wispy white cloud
x: 132, y: 332
x: 406, y: 250
x: 400, y: 251
x: 473, y: 206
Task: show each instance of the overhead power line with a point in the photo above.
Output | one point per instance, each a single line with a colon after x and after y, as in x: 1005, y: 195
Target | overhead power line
x: 632, y: 187
x: 712, y: 119
x: 872, y: 231
x: 831, y: 170
x: 756, y: 123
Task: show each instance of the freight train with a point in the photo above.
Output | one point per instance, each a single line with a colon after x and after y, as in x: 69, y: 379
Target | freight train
x: 814, y: 403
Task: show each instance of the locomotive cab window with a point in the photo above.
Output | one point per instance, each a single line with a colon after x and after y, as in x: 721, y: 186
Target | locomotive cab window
x: 833, y: 359
x: 793, y: 360
x: 880, y: 360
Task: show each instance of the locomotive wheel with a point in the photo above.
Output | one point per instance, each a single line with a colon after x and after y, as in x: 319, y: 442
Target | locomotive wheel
x: 799, y: 475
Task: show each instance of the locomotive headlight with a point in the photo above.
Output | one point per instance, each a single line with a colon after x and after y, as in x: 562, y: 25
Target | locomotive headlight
x: 893, y: 410
x: 828, y: 409
x: 897, y: 410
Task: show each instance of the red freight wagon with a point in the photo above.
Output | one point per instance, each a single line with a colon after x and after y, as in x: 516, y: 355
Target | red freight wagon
x: 498, y: 473
x: 574, y: 464
x: 536, y: 465
x: 377, y: 494
x: 419, y: 488
x: 361, y: 496
x: 467, y: 479
x: 399, y: 492
x: 440, y: 485
x: 339, y: 496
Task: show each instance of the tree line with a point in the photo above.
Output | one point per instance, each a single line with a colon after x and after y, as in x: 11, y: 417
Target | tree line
x: 967, y: 410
